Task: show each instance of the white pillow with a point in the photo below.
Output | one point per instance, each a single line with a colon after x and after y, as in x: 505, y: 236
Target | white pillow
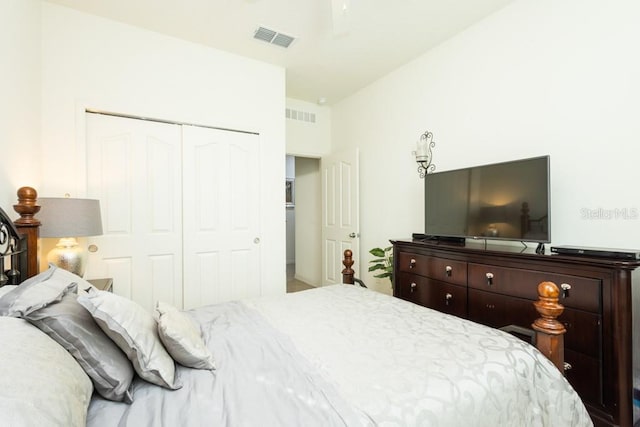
x: 182, y: 338
x: 42, y: 384
x: 134, y: 330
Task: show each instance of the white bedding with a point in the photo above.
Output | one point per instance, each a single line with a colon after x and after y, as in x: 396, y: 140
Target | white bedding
x: 343, y: 355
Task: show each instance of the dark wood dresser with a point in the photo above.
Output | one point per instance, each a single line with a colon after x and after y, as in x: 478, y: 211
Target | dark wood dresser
x: 496, y: 285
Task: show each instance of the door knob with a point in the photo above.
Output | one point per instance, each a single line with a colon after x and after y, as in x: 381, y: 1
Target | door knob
x: 92, y: 248
x: 352, y: 235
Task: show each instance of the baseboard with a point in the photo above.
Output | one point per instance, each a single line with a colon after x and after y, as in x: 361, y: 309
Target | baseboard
x: 305, y: 280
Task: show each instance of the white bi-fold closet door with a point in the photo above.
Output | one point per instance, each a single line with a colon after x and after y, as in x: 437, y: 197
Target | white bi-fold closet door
x: 181, y: 209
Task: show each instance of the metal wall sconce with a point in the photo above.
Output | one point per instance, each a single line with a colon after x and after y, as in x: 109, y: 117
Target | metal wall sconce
x: 424, y: 155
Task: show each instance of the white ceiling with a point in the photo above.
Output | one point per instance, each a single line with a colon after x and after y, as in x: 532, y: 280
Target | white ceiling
x: 325, y: 61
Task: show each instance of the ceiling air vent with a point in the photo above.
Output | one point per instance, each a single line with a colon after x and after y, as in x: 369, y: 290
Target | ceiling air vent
x: 273, y: 37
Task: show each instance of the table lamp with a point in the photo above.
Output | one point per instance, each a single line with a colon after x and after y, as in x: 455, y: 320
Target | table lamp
x: 67, y: 218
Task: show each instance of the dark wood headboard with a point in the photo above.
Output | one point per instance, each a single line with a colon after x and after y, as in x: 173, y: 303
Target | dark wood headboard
x: 19, y: 240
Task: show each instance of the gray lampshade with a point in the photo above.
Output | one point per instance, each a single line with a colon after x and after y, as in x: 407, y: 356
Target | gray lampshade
x: 68, y: 217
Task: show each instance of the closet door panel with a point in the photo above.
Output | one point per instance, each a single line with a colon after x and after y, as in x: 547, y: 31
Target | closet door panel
x: 221, y: 201
x: 133, y: 167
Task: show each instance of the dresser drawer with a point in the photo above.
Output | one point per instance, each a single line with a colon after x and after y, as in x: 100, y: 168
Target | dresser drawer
x: 584, y: 376
x: 584, y: 330
x: 585, y: 293
x: 497, y: 310
x: 442, y: 269
x: 444, y: 297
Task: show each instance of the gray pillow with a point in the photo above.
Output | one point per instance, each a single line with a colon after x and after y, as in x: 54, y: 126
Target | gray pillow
x: 182, y: 339
x: 72, y: 326
x: 134, y: 330
x: 38, y: 292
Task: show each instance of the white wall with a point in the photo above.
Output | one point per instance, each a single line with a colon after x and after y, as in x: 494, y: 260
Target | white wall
x: 538, y: 77
x: 20, y: 101
x: 307, y: 139
x: 97, y: 63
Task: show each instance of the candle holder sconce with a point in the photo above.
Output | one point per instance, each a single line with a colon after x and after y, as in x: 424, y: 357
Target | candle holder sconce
x: 424, y: 154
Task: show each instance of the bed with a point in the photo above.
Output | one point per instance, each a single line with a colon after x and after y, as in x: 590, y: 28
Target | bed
x: 338, y: 355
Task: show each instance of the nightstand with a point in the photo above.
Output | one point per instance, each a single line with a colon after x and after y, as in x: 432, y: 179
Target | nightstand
x: 102, y: 284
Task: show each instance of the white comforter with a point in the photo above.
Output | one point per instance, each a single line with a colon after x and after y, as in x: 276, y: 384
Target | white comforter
x: 343, y: 355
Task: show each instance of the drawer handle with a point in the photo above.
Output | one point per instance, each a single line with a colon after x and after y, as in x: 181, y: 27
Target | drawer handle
x: 565, y: 290
x: 567, y: 366
x: 413, y: 287
x: 448, y: 299
x: 447, y: 270
x: 489, y: 279
x: 412, y: 263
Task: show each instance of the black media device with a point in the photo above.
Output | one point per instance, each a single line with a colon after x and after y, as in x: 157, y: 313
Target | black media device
x: 500, y: 201
x: 612, y: 253
x: 458, y: 241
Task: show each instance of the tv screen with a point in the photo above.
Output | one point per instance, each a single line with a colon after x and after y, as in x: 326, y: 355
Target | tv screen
x: 506, y: 201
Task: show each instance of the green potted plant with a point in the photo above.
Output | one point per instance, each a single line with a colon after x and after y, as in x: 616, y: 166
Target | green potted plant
x: 382, y: 262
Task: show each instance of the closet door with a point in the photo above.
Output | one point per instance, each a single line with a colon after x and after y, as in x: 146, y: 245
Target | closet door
x: 221, y: 215
x: 134, y: 168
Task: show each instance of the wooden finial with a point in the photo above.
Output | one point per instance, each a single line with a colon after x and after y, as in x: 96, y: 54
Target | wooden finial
x: 29, y: 226
x: 549, y: 331
x: 27, y: 207
x: 347, y: 272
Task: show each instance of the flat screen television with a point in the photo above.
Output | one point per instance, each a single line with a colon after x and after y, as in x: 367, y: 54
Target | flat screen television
x: 503, y: 201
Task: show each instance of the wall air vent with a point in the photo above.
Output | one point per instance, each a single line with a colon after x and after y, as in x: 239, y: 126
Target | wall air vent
x: 300, y: 115
x: 273, y: 37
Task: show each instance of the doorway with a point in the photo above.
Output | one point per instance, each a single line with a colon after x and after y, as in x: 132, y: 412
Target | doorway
x: 303, y: 219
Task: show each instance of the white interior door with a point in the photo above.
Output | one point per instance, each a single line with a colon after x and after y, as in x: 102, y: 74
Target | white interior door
x: 133, y: 167
x: 221, y: 215
x: 340, y: 213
